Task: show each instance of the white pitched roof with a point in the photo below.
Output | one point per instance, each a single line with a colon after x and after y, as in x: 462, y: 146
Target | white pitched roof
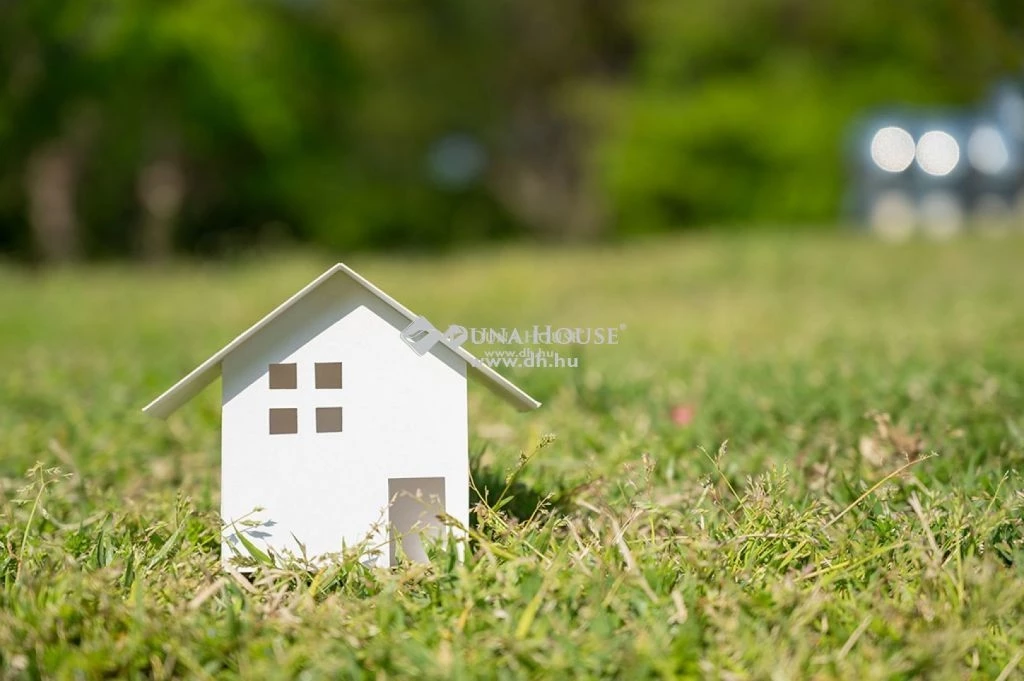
x: 204, y: 374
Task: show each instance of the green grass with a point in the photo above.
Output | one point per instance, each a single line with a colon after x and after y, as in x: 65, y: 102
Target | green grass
x: 865, y: 519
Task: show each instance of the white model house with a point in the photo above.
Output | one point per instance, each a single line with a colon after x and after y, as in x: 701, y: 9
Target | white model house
x: 336, y: 428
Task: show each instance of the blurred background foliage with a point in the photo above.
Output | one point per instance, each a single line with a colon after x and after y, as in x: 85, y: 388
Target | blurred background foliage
x: 144, y: 128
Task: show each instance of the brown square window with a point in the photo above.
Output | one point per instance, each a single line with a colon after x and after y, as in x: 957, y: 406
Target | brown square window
x: 284, y: 421
x: 328, y: 375
x: 283, y: 377
x: 328, y: 419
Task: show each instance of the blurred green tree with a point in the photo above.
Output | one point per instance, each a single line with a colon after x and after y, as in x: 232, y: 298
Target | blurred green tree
x: 737, y: 109
x: 151, y: 123
x: 148, y: 126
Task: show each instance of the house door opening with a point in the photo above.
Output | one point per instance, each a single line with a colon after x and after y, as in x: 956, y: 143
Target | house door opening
x: 415, y: 504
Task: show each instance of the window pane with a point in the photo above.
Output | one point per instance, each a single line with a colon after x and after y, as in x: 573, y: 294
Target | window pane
x: 328, y: 375
x: 284, y: 421
x: 328, y: 419
x: 283, y: 377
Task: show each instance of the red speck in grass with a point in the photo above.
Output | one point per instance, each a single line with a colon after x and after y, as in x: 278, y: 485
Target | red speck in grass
x: 682, y: 414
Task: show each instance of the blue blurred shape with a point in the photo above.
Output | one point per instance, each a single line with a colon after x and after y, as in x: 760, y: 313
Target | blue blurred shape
x: 456, y: 161
x: 938, y: 171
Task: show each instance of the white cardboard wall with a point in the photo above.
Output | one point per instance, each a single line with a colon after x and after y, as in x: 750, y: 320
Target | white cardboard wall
x: 405, y: 416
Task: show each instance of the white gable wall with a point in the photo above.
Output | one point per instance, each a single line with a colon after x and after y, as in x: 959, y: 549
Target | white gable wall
x: 404, y: 416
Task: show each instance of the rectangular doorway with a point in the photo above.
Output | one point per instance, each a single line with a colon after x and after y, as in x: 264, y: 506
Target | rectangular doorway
x: 415, y: 504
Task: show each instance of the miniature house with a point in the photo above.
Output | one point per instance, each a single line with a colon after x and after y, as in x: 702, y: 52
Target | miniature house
x: 335, y: 430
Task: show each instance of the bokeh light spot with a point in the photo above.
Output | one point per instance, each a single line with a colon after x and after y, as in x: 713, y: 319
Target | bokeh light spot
x: 893, y: 216
x: 892, y: 149
x: 938, y: 153
x: 942, y: 215
x: 987, y: 150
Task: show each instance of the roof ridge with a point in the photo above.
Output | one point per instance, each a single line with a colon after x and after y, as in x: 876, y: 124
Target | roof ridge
x: 205, y: 373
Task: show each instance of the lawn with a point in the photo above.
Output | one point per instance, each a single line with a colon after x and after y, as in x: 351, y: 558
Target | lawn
x: 802, y: 460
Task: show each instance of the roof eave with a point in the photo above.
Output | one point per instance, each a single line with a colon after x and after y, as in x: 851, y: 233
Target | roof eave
x: 184, y: 390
